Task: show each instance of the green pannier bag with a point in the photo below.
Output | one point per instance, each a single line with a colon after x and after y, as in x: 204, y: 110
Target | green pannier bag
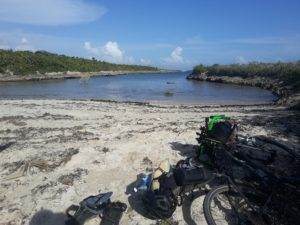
x: 218, y: 129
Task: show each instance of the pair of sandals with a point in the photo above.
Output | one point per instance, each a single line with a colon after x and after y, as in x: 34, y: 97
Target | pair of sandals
x: 92, y: 206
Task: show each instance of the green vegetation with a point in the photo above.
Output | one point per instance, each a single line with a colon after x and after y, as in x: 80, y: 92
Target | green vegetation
x: 199, y: 69
x: 26, y: 62
x: 288, y: 73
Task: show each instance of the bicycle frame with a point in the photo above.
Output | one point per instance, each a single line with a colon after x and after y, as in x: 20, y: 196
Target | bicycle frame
x: 267, y: 185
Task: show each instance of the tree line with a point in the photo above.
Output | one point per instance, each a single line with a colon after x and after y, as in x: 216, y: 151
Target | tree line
x: 27, y: 62
x: 288, y: 73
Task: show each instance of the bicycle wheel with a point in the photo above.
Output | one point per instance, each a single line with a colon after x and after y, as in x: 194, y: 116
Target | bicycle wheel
x: 224, y: 205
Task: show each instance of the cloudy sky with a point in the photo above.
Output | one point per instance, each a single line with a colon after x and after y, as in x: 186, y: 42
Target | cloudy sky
x: 165, y: 33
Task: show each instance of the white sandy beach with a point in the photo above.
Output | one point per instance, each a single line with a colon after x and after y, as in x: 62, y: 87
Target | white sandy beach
x: 104, y: 146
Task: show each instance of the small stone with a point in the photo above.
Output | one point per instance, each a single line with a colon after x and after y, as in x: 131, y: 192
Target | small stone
x: 105, y: 149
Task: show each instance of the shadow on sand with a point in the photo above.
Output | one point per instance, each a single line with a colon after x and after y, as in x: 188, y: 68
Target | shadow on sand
x: 187, y: 206
x: 47, y: 217
x: 134, y: 199
x: 186, y: 150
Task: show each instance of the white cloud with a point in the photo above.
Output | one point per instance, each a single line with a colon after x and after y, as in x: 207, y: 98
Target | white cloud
x: 49, y: 12
x: 87, y: 46
x: 24, y: 45
x: 145, y: 61
x: 240, y: 60
x: 113, y: 52
x: 24, y: 41
x: 110, y: 52
x: 176, y: 56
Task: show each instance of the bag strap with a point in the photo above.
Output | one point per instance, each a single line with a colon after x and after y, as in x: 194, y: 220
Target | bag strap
x: 162, y: 173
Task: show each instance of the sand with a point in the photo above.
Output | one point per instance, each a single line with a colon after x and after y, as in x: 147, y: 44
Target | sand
x: 103, y: 146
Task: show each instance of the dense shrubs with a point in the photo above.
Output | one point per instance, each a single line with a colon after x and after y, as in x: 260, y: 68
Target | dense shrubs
x: 288, y: 73
x: 199, y: 69
x: 26, y: 62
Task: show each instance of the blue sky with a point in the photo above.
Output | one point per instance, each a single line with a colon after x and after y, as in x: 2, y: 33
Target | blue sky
x: 166, y: 33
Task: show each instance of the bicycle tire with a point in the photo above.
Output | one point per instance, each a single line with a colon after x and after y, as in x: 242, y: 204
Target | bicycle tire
x: 207, y: 203
x: 215, y: 192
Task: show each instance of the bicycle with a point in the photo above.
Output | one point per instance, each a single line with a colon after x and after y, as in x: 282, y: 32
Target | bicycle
x: 255, y: 199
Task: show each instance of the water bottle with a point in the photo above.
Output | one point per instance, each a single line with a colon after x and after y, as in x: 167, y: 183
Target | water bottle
x: 144, y: 184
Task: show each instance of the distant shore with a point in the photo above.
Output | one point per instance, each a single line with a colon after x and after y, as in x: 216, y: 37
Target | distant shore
x: 71, y: 75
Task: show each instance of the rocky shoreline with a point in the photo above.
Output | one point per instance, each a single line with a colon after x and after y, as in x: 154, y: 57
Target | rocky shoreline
x: 69, y: 75
x: 286, y: 95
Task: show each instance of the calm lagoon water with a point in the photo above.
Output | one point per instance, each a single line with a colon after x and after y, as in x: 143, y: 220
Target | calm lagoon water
x: 170, y: 88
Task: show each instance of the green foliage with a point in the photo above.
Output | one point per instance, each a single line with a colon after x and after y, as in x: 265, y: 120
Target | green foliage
x: 199, y: 69
x: 288, y: 73
x: 26, y: 62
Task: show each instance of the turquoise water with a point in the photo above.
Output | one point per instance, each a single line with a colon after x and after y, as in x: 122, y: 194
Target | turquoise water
x: 170, y: 88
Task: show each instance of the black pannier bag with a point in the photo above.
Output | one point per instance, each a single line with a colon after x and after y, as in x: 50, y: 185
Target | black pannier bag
x: 159, y: 204
x: 192, y: 176
x: 190, y: 172
x: 159, y: 199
